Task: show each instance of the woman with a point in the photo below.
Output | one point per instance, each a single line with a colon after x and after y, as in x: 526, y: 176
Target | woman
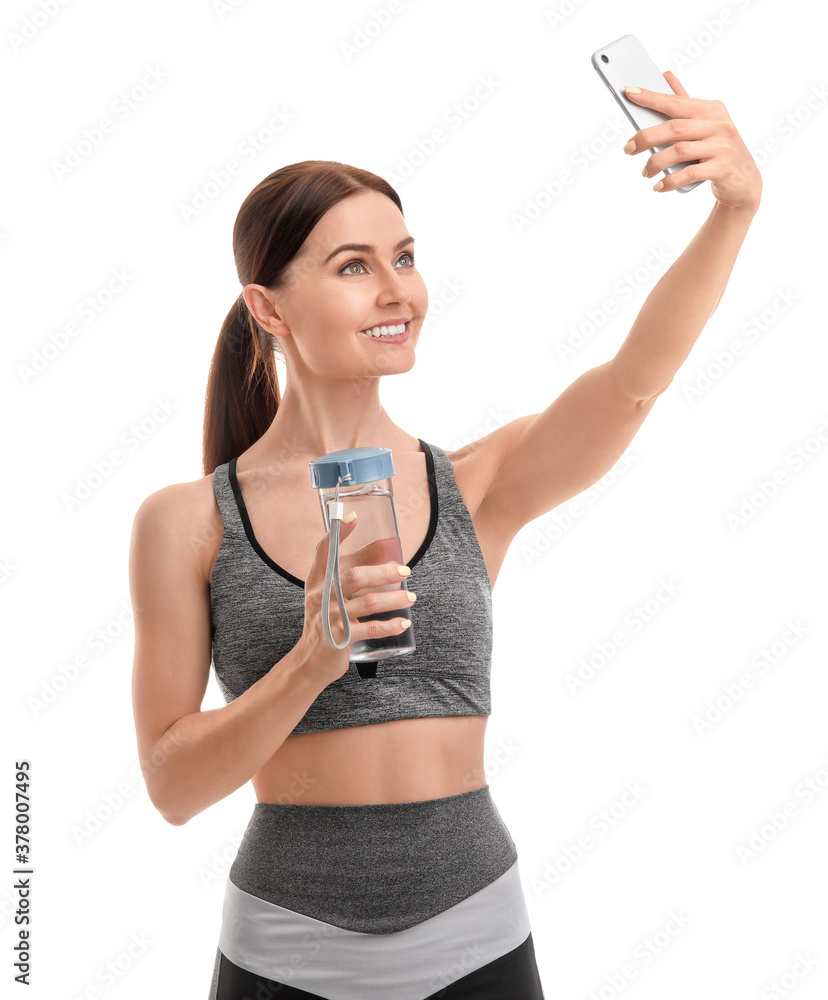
x: 375, y: 864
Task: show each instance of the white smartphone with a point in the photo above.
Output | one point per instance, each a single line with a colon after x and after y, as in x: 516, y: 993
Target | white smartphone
x: 626, y: 61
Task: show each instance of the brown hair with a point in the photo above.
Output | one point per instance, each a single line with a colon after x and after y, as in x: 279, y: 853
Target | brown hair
x: 270, y: 231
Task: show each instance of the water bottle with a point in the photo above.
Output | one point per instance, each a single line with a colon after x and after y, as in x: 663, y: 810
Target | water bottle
x: 361, y: 478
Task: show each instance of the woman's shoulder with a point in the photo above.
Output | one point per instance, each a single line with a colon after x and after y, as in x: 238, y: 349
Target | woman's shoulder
x: 186, y: 516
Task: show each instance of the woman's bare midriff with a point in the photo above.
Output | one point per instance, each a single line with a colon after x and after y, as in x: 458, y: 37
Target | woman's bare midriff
x: 401, y: 761
x: 404, y: 760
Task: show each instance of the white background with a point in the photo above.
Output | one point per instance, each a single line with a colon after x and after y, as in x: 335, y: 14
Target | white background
x: 109, y: 870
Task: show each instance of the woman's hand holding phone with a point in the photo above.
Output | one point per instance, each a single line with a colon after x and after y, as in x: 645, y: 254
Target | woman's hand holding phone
x: 698, y: 130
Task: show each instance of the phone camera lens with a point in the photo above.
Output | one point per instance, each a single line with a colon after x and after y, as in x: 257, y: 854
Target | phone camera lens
x: 604, y: 59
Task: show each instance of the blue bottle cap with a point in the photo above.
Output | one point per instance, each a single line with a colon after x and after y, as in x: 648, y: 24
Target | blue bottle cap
x: 365, y: 465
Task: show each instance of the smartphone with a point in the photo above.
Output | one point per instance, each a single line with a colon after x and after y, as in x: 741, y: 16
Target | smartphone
x: 626, y: 61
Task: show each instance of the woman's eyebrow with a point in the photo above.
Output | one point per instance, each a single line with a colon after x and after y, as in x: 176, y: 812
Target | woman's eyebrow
x: 365, y: 248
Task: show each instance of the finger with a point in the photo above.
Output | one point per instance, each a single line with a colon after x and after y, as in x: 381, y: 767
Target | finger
x: 378, y: 552
x: 673, y: 80
x: 659, y: 135
x: 672, y: 105
x: 380, y: 602
x: 345, y: 529
x: 358, y: 575
x: 698, y: 150
x: 678, y: 178
x: 323, y: 547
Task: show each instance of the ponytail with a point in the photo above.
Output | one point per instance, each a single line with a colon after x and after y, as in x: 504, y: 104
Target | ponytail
x: 242, y: 388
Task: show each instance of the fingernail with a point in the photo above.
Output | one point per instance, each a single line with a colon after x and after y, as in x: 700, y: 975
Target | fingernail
x: 632, y: 90
x: 406, y: 624
x: 411, y: 597
x: 659, y: 186
x: 349, y: 517
x: 644, y: 172
x: 630, y: 146
x: 404, y: 570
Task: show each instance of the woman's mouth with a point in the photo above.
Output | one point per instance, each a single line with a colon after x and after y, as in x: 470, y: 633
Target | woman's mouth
x: 385, y: 334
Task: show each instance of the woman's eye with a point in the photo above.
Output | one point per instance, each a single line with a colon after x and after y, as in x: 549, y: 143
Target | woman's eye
x: 352, y: 263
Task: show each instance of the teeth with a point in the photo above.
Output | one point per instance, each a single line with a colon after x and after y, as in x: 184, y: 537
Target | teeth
x: 384, y: 331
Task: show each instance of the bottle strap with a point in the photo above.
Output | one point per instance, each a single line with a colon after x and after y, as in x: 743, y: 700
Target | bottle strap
x: 337, y: 509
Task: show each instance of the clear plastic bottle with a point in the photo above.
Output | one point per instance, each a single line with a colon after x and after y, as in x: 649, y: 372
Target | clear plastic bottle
x: 361, y: 479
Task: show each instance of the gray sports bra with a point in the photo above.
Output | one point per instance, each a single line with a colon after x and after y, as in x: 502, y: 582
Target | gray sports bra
x: 258, y: 612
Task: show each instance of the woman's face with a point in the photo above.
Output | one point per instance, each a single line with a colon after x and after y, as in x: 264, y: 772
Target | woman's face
x: 332, y: 295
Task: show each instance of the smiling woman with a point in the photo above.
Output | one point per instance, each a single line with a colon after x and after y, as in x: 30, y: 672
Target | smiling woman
x: 375, y: 862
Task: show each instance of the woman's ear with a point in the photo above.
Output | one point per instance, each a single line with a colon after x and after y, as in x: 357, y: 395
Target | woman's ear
x: 262, y: 304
